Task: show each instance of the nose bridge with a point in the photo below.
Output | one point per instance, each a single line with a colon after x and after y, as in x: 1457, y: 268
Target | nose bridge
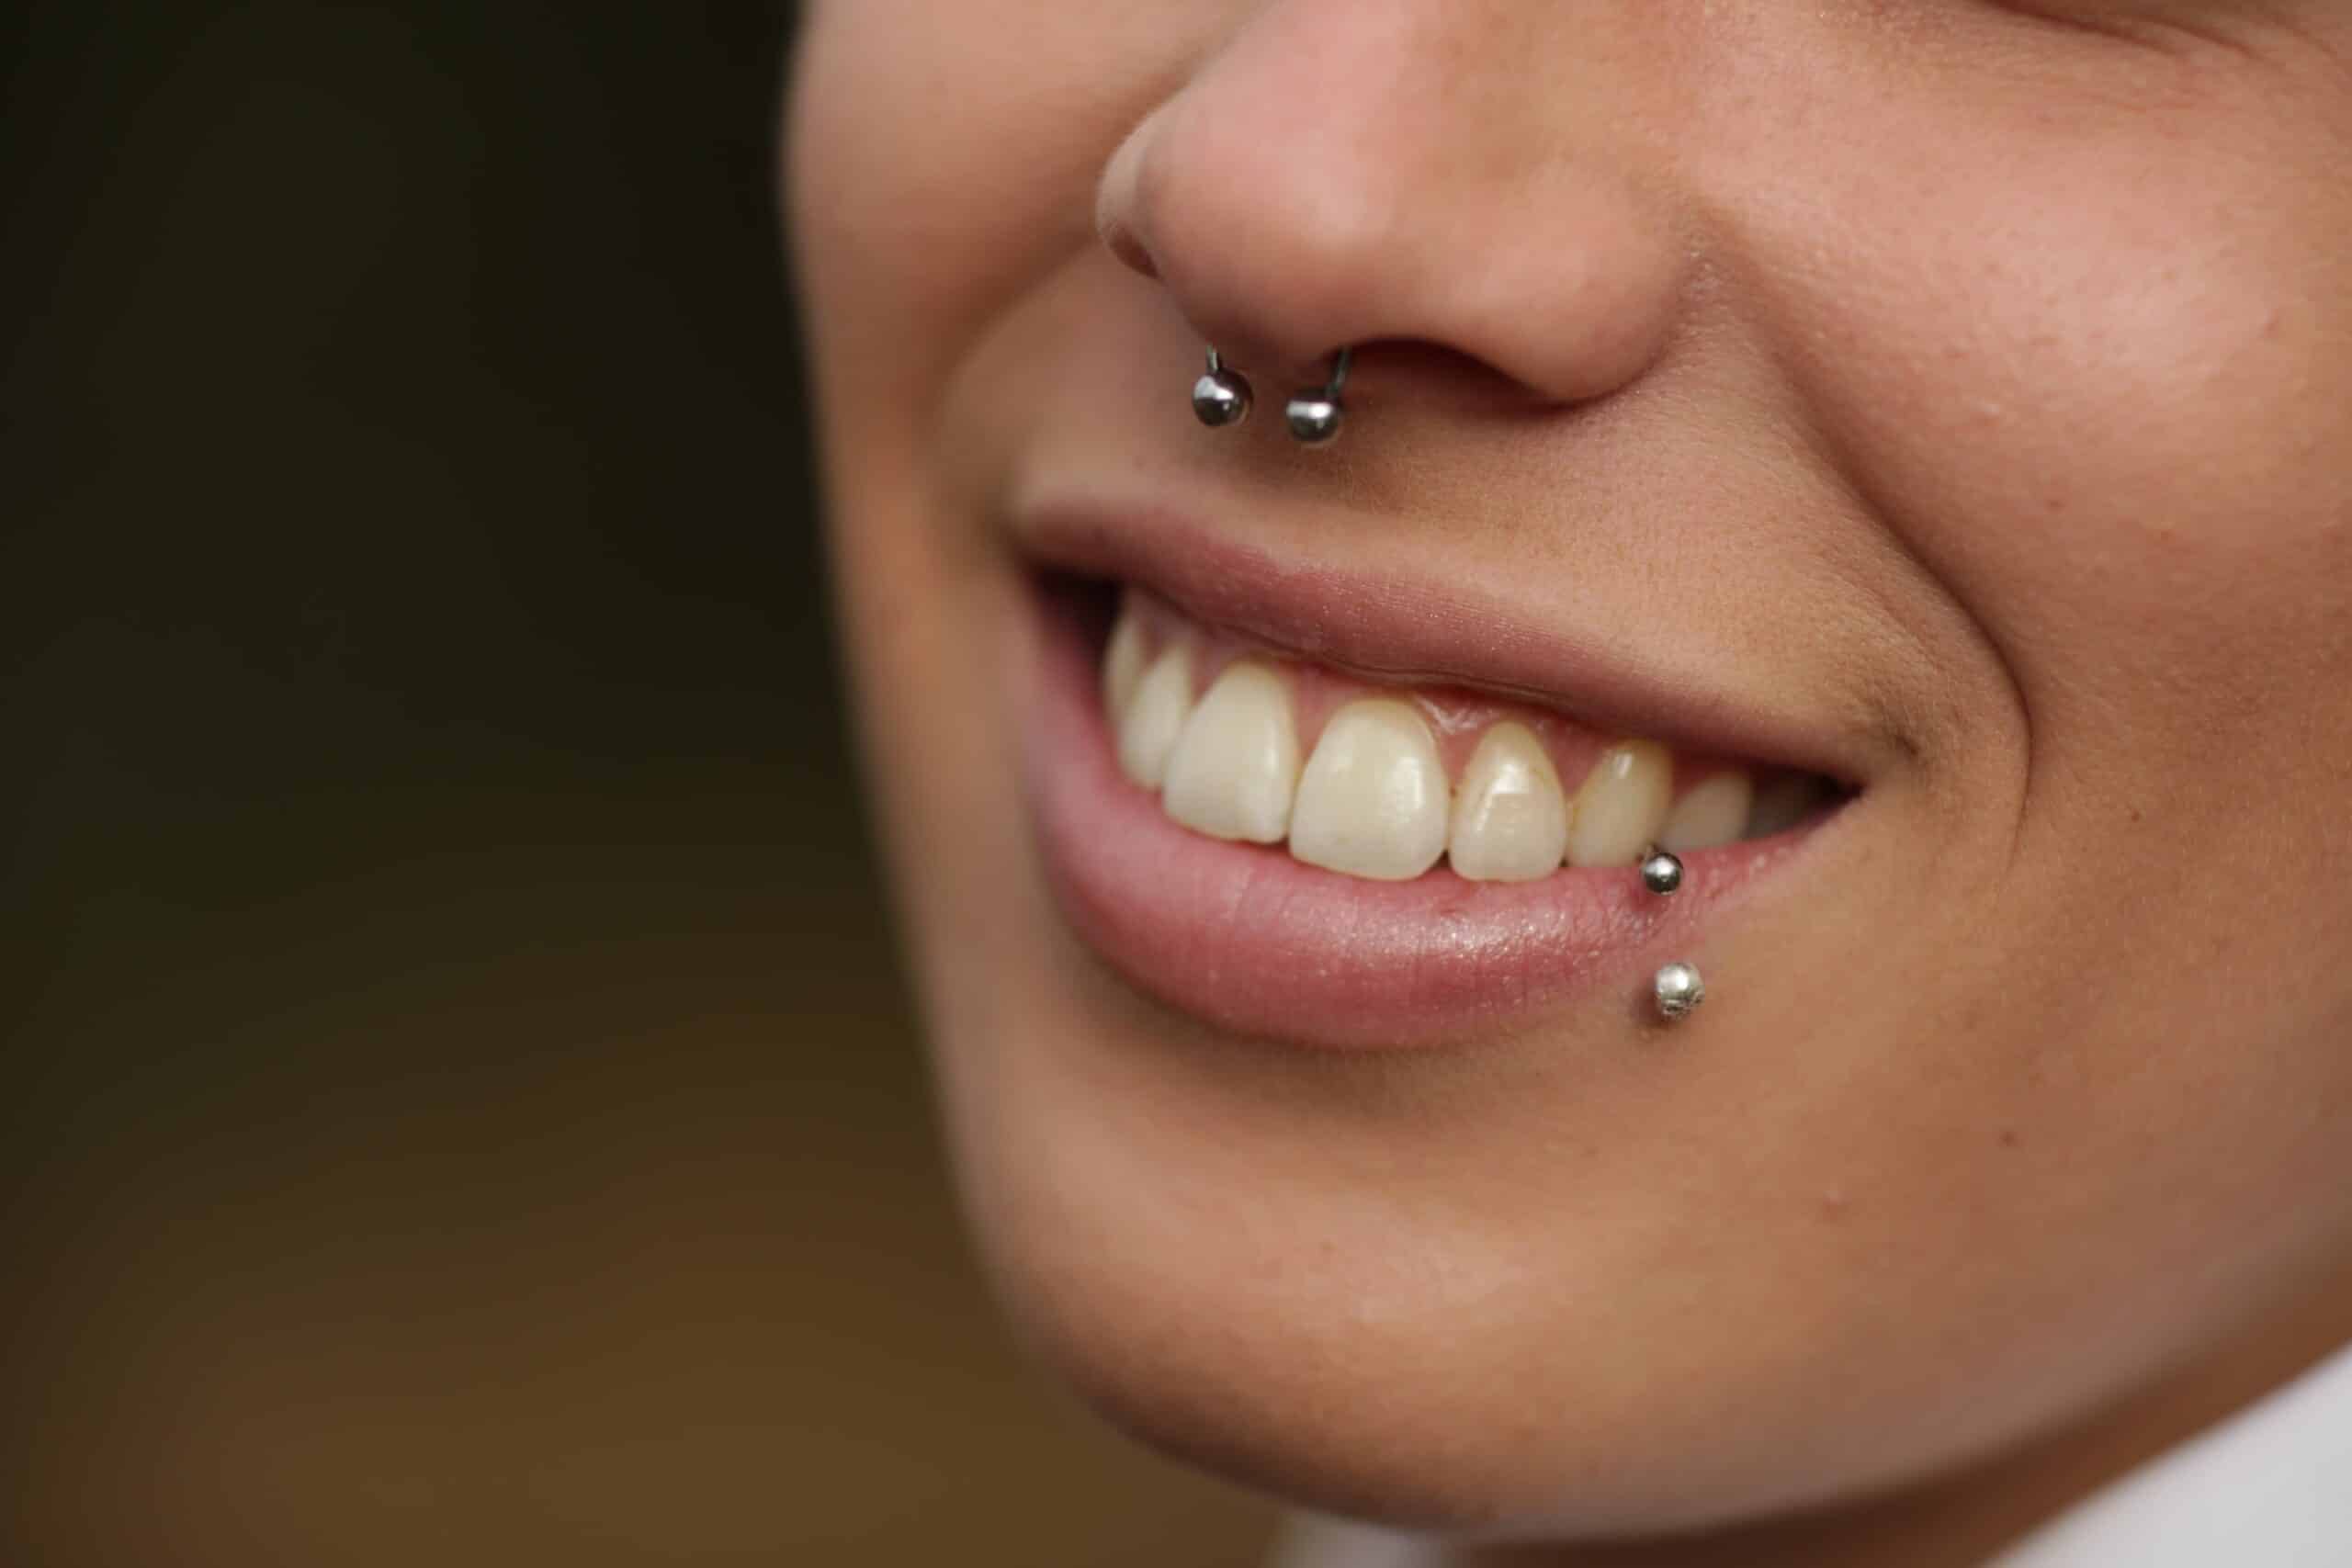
x: 1436, y: 170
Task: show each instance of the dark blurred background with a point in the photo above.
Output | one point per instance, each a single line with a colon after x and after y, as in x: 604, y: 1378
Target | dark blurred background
x: 460, y: 1105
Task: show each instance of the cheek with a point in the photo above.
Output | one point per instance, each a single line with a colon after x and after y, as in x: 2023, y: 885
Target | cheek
x: 2117, y: 420
x: 2099, y: 385
x: 2137, y: 440
x: 941, y: 160
x: 944, y: 158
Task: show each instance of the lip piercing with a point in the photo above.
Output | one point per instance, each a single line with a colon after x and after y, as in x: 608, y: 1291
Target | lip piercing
x: 1677, y: 989
x: 1221, y: 397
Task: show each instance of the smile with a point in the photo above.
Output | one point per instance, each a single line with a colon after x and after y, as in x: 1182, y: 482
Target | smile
x: 1253, y: 824
x: 1386, y: 783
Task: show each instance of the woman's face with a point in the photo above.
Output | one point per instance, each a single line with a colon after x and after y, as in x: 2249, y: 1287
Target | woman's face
x: 1928, y: 424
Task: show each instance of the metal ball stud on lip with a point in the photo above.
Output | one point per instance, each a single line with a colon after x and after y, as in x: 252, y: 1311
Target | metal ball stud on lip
x: 1678, y: 990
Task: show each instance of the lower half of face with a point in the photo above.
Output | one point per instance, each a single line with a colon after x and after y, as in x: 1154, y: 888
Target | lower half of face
x: 1954, y: 573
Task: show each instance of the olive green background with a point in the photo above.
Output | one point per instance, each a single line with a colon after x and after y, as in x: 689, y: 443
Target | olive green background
x: 460, y: 1105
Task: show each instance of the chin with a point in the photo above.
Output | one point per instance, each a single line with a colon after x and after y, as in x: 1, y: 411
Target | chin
x: 1304, y: 1270
x: 1392, y: 1358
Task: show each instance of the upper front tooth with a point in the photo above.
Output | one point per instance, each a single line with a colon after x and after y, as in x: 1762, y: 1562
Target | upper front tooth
x: 1710, y: 813
x: 1510, y: 822
x: 1155, y: 715
x: 1373, y: 799
x: 1621, y: 805
x: 1121, y: 662
x: 1235, y: 765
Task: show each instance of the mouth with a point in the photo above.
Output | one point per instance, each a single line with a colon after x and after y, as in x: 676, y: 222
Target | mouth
x: 1299, y: 810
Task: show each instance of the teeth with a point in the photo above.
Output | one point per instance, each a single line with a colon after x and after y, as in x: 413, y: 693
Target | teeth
x: 1156, y: 713
x: 1781, y: 803
x: 1373, y: 799
x: 1236, y: 765
x: 1511, y: 821
x: 1621, y: 805
x: 1710, y: 813
x: 1122, y: 663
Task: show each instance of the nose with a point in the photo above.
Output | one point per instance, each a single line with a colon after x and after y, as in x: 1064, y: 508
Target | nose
x: 1444, y: 174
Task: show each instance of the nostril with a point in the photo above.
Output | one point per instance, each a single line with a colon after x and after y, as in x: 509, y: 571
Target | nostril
x: 1124, y: 244
x: 1116, y: 204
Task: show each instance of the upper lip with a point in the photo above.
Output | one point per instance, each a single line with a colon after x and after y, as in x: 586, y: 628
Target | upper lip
x: 1388, y: 628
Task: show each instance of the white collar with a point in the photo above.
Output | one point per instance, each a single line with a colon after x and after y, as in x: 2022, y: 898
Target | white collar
x: 2270, y: 1483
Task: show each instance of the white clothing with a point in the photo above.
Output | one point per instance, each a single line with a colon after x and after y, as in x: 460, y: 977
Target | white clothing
x: 2268, y: 1487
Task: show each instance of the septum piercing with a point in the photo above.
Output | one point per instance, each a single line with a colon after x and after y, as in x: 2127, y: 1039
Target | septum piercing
x: 1678, y: 988
x: 1222, y: 397
x: 1314, y: 415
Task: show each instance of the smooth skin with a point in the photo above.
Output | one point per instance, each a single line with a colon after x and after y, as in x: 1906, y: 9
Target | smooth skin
x: 1975, y: 378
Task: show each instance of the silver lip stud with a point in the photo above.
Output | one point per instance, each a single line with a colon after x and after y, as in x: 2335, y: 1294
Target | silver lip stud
x: 1221, y: 397
x: 1315, y: 414
x: 1661, y: 870
x: 1678, y: 991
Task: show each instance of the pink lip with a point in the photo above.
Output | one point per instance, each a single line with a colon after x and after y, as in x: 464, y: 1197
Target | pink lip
x: 1252, y: 942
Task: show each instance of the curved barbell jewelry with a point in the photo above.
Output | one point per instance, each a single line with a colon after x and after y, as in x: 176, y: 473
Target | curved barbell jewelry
x: 1677, y: 989
x: 1222, y: 397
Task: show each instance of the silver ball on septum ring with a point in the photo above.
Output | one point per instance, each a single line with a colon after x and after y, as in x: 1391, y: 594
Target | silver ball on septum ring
x: 1313, y: 418
x: 1678, y: 989
x: 1314, y: 415
x: 1220, y: 396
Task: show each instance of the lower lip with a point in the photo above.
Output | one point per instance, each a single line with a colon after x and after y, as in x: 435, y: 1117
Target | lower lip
x: 1250, y: 940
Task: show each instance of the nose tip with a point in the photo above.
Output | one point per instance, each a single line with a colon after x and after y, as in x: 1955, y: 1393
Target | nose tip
x: 1304, y: 192
x: 1273, y: 285
x: 1180, y: 212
